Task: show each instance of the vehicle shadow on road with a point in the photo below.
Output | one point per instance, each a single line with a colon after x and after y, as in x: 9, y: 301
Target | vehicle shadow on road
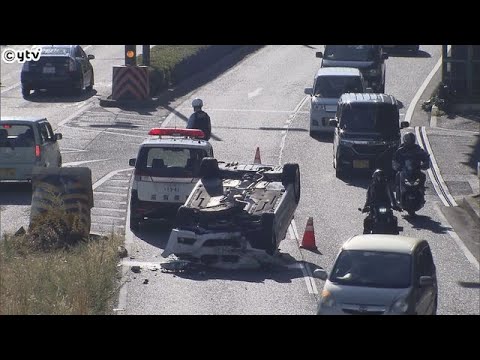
x: 57, y: 96
x: 15, y: 194
x: 155, y: 233
x: 406, y: 53
x: 283, y: 274
x: 422, y: 222
x: 323, y: 137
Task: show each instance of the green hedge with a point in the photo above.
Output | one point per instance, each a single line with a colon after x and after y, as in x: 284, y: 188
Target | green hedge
x: 170, y: 64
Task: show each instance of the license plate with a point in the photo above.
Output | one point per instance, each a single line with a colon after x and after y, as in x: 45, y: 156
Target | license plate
x: 49, y: 70
x: 360, y: 164
x: 7, y: 172
x: 171, y: 189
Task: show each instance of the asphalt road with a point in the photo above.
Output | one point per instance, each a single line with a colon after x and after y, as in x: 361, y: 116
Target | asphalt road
x: 259, y: 102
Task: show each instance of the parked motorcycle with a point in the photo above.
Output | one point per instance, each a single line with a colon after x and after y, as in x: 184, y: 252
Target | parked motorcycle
x: 409, y: 193
x: 380, y: 220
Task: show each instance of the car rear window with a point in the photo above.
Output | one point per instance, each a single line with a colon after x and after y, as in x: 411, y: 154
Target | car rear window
x: 335, y: 86
x: 15, y: 135
x: 372, y: 269
x: 350, y: 52
x: 170, y: 162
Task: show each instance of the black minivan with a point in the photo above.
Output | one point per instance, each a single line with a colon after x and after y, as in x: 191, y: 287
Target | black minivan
x: 367, y: 132
x: 369, y: 59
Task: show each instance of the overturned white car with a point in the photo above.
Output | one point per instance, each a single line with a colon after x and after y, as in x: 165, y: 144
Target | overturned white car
x: 235, y: 210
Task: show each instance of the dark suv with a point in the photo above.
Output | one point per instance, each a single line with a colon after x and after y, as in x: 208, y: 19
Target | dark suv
x: 369, y: 59
x: 59, y: 67
x: 367, y: 132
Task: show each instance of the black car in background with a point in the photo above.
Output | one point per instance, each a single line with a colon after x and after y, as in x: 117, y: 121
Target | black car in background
x: 369, y: 59
x: 367, y: 132
x: 59, y: 67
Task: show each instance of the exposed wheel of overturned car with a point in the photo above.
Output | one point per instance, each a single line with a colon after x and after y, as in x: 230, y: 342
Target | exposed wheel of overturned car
x: 209, y: 168
x: 291, y: 175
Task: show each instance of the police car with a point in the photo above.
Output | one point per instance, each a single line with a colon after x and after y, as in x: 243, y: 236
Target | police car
x: 167, y: 168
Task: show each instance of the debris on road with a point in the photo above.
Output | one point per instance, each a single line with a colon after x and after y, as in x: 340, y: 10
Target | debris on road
x: 135, y: 269
x: 122, y: 252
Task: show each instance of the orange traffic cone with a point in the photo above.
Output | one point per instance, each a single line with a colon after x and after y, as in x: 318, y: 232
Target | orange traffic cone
x: 257, y: 157
x: 308, y: 241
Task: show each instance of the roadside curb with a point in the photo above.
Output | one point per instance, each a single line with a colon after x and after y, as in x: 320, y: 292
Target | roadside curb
x: 470, y: 205
x: 109, y: 103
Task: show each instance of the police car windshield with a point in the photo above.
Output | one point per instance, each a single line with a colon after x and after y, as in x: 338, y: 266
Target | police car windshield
x: 335, y: 86
x: 372, y: 269
x: 365, y: 117
x: 170, y: 162
x: 350, y: 52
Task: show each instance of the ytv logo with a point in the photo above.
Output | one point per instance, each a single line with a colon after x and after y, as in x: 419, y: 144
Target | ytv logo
x: 10, y: 55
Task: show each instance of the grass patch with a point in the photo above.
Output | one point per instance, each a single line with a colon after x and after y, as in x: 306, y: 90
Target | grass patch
x: 163, y: 61
x: 81, y: 280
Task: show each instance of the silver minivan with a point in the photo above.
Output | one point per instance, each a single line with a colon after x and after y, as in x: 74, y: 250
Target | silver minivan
x: 380, y: 274
x: 25, y: 143
x: 328, y: 86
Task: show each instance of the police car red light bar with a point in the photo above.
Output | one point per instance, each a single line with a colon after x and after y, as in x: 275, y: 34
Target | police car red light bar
x: 193, y: 133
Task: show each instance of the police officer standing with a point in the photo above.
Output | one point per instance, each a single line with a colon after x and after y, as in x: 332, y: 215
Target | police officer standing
x: 200, y: 119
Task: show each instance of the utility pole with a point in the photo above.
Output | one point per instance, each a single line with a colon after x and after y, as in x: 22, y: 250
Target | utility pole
x: 146, y: 55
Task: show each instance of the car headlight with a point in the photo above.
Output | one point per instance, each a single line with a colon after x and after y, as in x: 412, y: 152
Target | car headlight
x: 400, y: 306
x: 373, y: 72
x: 318, y: 106
x: 382, y: 210
x: 327, y: 299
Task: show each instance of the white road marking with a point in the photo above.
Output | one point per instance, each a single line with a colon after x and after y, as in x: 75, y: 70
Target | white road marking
x: 272, y: 111
x: 104, y: 132
x: 413, y: 104
x: 108, y: 177
x: 437, y: 169
x: 307, y: 274
x: 77, y: 113
x: 457, y: 240
x: 78, y: 163
x: 284, y: 136
x: 255, y: 93
x: 70, y: 150
x: 109, y: 209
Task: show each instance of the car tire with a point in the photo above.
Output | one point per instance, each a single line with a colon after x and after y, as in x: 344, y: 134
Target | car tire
x: 89, y: 88
x: 79, y: 91
x: 411, y: 213
x: 60, y: 162
x: 185, y: 216
x: 291, y: 175
x: 134, y: 223
x: 268, y: 226
x: 26, y: 92
x: 209, y: 168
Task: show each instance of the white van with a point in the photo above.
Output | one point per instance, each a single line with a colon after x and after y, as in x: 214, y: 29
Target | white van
x: 328, y: 86
x: 25, y: 143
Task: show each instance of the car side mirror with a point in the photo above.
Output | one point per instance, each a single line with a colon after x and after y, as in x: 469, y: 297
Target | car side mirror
x: 132, y: 162
x: 404, y: 124
x: 384, y: 56
x: 320, y: 274
x: 319, y: 54
x: 90, y: 57
x: 333, y: 122
x: 308, y: 91
x: 425, y: 281
x: 58, y: 136
x: 369, y: 90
